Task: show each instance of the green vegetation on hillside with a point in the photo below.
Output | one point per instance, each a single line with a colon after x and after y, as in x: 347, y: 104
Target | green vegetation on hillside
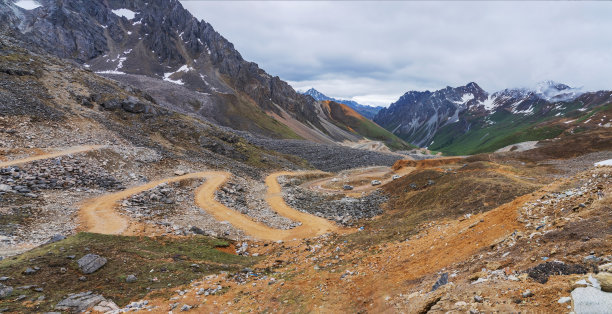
x: 348, y: 119
x: 505, y: 128
x: 158, y: 263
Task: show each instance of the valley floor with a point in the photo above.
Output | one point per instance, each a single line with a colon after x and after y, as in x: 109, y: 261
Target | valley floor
x: 525, y: 253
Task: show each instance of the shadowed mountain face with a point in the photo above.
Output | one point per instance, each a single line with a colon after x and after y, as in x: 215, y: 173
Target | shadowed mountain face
x: 136, y: 40
x: 416, y: 116
x: 466, y: 119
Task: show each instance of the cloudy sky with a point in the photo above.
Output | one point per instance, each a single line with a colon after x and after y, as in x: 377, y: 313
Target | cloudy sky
x: 373, y: 52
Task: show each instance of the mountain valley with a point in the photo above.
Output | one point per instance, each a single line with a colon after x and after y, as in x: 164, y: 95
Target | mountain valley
x: 145, y: 166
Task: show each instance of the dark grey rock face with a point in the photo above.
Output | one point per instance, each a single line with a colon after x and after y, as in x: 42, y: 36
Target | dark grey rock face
x: 88, y: 31
x: 416, y: 116
x: 91, y: 262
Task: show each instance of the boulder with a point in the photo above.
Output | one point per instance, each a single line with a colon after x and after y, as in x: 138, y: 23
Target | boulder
x: 591, y: 300
x: 79, y: 302
x: 5, y: 291
x: 91, y: 262
x: 133, y: 105
x: 605, y: 281
x: 111, y: 104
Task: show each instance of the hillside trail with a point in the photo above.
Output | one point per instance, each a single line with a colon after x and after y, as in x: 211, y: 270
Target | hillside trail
x: 69, y: 151
x: 99, y: 215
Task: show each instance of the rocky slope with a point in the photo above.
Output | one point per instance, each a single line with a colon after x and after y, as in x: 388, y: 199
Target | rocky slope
x: 467, y: 119
x: 366, y: 111
x: 159, y: 47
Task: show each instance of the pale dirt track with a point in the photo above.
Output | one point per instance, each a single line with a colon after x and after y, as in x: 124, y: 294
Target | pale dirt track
x: 100, y: 215
x: 69, y: 151
x: 384, y: 174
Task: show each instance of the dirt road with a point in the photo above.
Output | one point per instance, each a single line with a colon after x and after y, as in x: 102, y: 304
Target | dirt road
x: 383, y: 174
x: 100, y: 215
x: 69, y: 151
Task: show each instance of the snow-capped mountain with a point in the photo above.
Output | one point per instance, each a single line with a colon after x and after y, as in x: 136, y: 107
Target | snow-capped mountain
x: 416, y: 116
x: 553, y: 91
x: 467, y: 116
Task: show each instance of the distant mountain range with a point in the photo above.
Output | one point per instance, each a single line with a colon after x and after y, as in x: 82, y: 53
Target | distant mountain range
x: 366, y: 111
x: 467, y: 119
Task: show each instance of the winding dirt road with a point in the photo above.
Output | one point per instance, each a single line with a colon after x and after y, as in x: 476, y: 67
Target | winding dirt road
x: 100, y: 215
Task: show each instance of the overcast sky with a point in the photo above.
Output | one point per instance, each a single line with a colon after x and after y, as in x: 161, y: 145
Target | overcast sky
x: 373, y: 52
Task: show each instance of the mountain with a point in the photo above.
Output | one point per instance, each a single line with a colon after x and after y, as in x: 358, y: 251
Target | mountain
x: 346, y: 117
x: 366, y: 111
x: 160, y: 48
x: 417, y: 116
x: 467, y: 120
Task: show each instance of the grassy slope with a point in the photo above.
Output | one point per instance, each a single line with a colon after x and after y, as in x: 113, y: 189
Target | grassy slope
x: 347, y: 118
x: 507, y: 129
x: 167, y: 260
x: 475, y: 187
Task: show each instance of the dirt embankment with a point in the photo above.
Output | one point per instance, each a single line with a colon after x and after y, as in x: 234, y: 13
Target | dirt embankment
x: 426, y: 163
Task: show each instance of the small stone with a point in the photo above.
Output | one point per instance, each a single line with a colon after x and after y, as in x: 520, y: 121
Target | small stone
x: 527, y: 294
x: 564, y: 300
x: 179, y: 173
x: 56, y: 238
x: 82, y: 278
x: 185, y: 307
x: 478, y: 299
x: 130, y: 278
x: 29, y: 271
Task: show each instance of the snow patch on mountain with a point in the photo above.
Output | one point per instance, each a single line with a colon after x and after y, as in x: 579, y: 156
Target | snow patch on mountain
x: 28, y: 4
x: 128, y: 14
x: 489, y: 103
x: 465, y: 98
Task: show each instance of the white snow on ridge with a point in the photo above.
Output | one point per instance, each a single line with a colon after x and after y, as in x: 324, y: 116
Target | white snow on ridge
x: 28, y: 4
x: 489, y: 103
x: 604, y: 163
x: 128, y: 14
x: 465, y: 98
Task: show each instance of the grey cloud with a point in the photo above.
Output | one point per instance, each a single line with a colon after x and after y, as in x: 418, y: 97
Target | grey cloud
x: 379, y: 50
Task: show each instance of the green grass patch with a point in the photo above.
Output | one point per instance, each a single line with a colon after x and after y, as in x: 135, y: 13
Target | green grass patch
x: 159, y: 264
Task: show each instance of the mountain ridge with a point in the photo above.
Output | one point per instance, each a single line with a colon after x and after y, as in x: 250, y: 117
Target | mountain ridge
x: 365, y: 110
x: 467, y: 119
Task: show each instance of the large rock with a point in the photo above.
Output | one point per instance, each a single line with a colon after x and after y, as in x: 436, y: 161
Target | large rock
x: 5, y: 291
x: 591, y: 300
x: 133, y: 105
x: 605, y: 281
x: 80, y: 302
x: 91, y: 262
